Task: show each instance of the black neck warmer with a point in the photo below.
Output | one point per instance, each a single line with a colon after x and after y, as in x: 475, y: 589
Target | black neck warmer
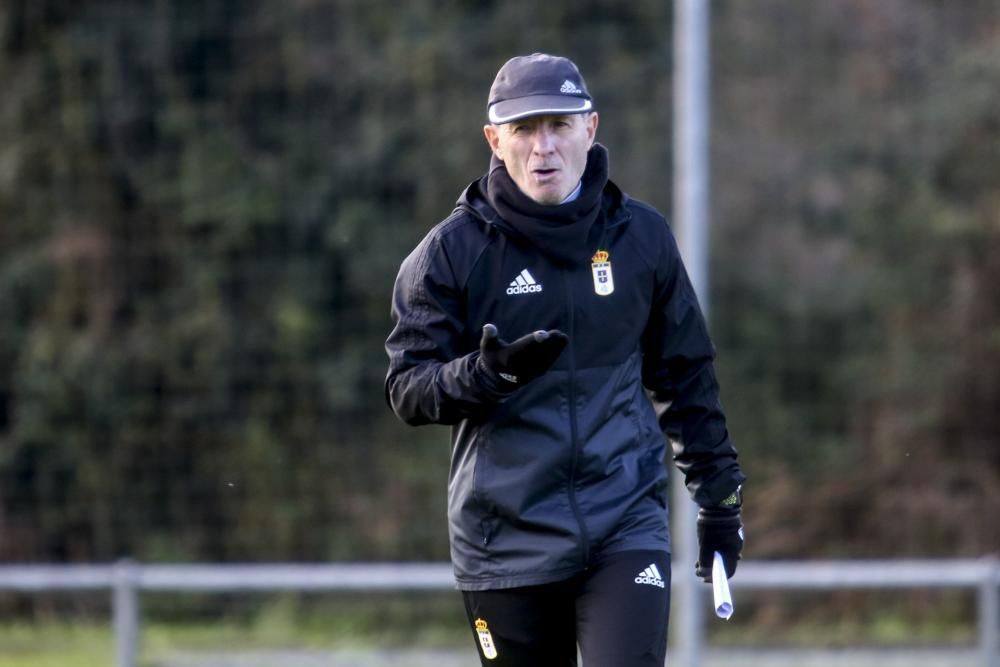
x: 560, y: 231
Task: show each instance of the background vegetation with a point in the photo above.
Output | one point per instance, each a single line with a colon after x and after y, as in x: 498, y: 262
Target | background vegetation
x: 203, y: 206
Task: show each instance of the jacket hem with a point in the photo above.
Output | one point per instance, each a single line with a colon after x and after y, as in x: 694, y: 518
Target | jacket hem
x: 516, y: 580
x: 646, y: 545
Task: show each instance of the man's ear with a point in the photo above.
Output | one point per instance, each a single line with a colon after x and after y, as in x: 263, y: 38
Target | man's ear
x: 592, y: 127
x: 492, y: 134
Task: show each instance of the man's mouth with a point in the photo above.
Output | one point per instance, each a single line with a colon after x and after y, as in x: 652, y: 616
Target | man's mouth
x: 543, y: 172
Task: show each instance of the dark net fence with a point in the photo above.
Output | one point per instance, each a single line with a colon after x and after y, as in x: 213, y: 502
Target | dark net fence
x: 203, y: 206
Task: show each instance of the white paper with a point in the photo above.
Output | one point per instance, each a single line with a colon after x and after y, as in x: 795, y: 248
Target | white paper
x: 720, y: 588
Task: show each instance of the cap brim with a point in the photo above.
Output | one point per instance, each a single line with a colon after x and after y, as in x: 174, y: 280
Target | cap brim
x: 537, y: 105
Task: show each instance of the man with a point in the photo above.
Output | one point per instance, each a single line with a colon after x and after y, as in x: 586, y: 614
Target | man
x: 557, y: 503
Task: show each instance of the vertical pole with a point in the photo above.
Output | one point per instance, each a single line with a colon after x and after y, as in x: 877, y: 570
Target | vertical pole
x: 989, y: 618
x: 125, y: 611
x: 690, y: 214
x: 691, y: 126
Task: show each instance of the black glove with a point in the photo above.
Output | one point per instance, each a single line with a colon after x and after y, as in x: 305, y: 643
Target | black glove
x: 522, y: 360
x: 720, y: 529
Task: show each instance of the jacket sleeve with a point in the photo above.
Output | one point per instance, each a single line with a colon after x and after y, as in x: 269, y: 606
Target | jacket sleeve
x: 433, y: 375
x: 679, y: 373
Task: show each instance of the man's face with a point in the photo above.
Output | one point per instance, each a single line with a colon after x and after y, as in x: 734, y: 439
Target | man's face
x: 544, y: 155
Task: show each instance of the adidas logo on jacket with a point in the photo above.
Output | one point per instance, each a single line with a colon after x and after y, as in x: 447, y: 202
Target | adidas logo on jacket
x: 524, y: 284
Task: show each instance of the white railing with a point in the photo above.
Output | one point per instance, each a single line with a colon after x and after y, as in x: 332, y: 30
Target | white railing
x: 127, y: 580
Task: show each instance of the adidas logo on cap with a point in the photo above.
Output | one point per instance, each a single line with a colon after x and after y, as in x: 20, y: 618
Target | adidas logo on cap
x: 524, y: 283
x: 569, y: 88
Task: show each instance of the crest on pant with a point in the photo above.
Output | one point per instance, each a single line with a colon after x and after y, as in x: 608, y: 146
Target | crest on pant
x: 485, y: 639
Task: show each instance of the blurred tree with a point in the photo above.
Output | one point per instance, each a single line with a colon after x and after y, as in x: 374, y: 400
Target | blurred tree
x: 854, y: 276
x: 203, y: 206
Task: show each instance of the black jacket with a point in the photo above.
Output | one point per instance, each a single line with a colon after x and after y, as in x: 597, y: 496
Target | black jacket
x: 571, y: 465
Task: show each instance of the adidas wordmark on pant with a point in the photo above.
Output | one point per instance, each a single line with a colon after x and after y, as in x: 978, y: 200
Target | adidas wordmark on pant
x: 651, y: 576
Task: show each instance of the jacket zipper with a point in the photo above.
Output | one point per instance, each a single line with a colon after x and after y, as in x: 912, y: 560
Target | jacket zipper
x: 573, y: 429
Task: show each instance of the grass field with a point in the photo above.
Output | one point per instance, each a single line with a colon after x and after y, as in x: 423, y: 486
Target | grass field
x: 81, y: 645
x: 366, y: 629
x: 193, y: 625
x: 56, y: 645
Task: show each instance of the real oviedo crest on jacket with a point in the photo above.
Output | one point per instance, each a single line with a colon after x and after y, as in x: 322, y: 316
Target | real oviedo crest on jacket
x: 604, y: 282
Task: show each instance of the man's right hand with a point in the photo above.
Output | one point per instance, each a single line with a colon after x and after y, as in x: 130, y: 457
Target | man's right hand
x: 522, y: 360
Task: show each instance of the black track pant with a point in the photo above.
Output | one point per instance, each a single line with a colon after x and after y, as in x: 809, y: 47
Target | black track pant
x: 617, y: 611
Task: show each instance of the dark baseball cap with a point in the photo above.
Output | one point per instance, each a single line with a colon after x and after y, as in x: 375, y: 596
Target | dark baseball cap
x: 537, y: 85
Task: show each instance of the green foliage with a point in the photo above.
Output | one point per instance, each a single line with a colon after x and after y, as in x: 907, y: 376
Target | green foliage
x: 203, y: 207
x: 856, y: 288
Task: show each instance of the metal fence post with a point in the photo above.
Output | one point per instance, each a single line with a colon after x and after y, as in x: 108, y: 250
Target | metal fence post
x: 687, y: 623
x: 125, y: 611
x: 989, y: 617
x: 690, y: 213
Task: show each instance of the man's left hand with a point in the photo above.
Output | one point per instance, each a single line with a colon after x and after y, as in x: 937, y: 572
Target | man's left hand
x: 719, y: 529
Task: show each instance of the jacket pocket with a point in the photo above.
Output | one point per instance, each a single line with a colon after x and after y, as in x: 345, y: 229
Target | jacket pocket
x: 483, y: 501
x: 481, y: 469
x: 489, y: 525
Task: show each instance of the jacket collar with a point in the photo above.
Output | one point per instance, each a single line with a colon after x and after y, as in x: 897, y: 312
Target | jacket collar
x: 614, y: 211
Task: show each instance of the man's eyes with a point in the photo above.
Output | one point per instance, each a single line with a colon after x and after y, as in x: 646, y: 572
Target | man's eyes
x: 521, y: 129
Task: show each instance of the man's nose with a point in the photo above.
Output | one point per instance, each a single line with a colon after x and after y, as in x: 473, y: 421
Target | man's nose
x: 544, y: 141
